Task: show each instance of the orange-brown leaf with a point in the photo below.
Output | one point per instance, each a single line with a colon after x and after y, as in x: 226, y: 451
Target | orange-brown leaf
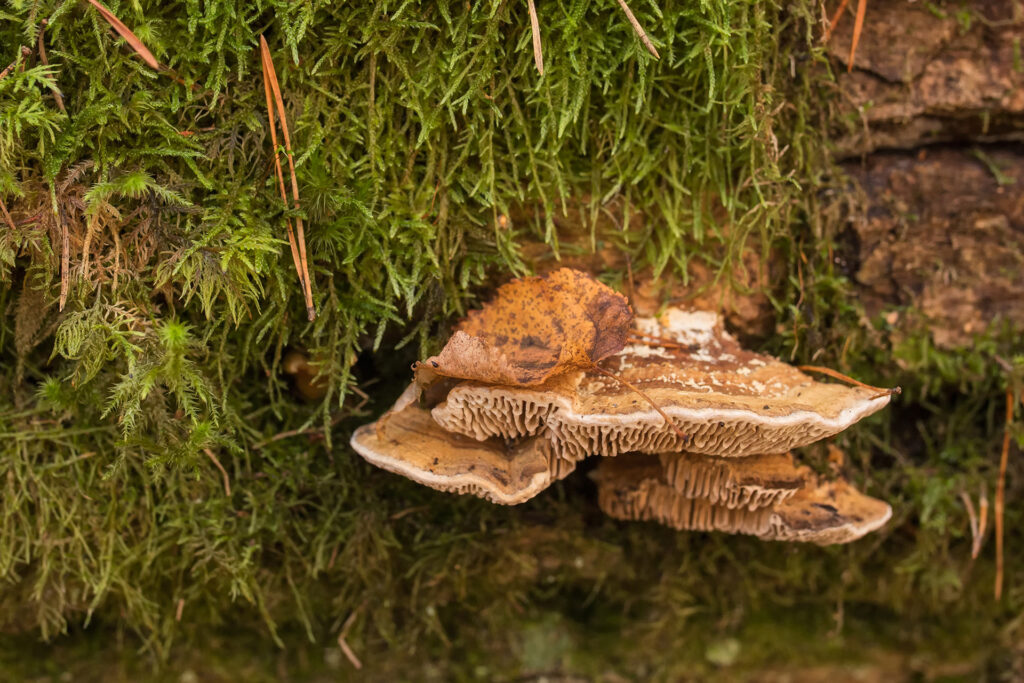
x: 536, y: 328
x: 126, y: 33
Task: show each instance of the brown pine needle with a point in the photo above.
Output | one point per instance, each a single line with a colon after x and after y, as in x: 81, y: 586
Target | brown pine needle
x: 25, y: 52
x: 1001, y: 492
x: 982, y: 523
x: 645, y: 397
x: 343, y: 644
x: 224, y: 472
x: 858, y: 26
x: 65, y: 263
x: 978, y: 522
x: 639, y: 29
x: 126, y: 33
x: 835, y: 19
x: 180, y: 609
x: 297, y: 244
x: 7, y: 215
x: 538, y: 55
x: 57, y: 96
x: 844, y: 378
x: 655, y: 340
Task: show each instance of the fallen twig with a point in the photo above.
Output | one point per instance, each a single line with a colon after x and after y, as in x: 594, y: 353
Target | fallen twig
x: 65, y: 262
x: 835, y: 19
x: 299, y: 432
x: 858, y: 26
x: 978, y: 521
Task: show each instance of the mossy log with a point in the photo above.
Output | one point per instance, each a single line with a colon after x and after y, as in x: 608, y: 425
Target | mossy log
x: 177, y: 499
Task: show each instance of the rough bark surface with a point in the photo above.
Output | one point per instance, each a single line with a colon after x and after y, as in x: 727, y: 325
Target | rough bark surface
x: 943, y: 231
x: 925, y: 73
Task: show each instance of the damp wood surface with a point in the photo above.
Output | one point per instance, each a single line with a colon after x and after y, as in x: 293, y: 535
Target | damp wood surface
x: 178, y: 502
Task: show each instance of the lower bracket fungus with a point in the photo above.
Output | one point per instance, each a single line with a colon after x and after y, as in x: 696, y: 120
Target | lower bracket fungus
x: 752, y: 482
x: 407, y: 441
x: 824, y: 513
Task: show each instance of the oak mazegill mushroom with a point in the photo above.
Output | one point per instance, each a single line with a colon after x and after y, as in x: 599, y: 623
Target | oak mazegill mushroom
x: 739, y: 414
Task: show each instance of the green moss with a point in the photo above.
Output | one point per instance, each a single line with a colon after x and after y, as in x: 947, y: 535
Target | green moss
x: 415, y: 126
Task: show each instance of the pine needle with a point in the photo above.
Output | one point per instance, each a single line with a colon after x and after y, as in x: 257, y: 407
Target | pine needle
x: 7, y: 215
x: 882, y: 391
x: 639, y: 29
x: 65, y: 263
x: 655, y: 340
x: 343, y: 644
x: 835, y: 20
x: 126, y: 33
x: 645, y: 397
x: 25, y: 52
x: 538, y: 55
x: 270, y: 84
x: 46, y: 62
x: 1001, y: 492
x: 224, y: 472
x: 858, y: 26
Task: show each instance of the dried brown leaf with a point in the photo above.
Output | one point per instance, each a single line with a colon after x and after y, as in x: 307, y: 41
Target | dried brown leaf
x: 535, y: 328
x: 126, y: 33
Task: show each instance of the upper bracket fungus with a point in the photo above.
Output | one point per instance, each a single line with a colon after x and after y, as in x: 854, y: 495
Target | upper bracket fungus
x: 724, y: 399
x: 406, y: 441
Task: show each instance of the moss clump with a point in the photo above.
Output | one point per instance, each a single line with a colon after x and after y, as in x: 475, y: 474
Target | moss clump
x: 416, y: 126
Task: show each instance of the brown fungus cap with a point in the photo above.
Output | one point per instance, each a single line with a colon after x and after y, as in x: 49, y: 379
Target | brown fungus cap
x: 824, y: 513
x: 725, y: 400
x: 407, y: 441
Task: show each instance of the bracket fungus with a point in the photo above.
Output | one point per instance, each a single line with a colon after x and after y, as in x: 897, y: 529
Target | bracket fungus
x: 407, y: 441
x: 702, y: 427
x: 820, y: 512
x: 722, y: 399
